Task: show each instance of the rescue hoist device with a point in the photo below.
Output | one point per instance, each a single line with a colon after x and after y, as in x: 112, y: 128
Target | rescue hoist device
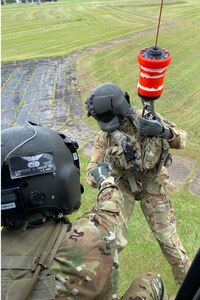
x: 153, y: 63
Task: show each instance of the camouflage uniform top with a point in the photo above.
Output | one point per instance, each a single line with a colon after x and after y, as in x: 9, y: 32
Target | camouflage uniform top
x: 86, y: 263
x: 103, y: 141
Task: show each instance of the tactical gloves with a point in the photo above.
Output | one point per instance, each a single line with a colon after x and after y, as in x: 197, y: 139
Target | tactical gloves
x: 101, y: 172
x: 152, y: 127
x: 159, y: 288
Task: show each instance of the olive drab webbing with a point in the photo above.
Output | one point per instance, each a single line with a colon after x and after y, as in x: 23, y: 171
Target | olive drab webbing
x: 26, y: 258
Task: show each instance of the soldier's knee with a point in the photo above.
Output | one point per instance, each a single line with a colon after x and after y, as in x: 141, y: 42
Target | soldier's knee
x: 168, y: 237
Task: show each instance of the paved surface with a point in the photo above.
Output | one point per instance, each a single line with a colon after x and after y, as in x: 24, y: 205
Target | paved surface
x: 46, y: 91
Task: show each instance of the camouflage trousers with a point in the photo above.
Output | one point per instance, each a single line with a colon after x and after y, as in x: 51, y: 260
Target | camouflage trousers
x: 158, y: 211
x: 148, y: 286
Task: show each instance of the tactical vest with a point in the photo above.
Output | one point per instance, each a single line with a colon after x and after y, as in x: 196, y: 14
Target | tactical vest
x: 151, y: 154
x: 26, y: 258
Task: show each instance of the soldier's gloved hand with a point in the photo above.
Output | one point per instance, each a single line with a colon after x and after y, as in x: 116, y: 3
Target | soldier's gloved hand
x: 159, y: 288
x: 152, y: 128
x: 101, y: 172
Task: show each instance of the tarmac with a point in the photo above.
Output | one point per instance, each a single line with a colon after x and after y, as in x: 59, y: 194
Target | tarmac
x: 47, y: 92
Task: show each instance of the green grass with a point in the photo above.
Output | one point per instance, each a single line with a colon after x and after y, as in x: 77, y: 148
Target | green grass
x: 151, y: 258
x: 53, y: 29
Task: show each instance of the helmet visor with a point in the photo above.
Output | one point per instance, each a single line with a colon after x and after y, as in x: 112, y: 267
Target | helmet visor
x: 104, y: 117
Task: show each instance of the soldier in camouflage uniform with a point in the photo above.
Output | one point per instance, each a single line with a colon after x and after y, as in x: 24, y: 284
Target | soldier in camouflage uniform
x: 138, y: 149
x: 44, y: 256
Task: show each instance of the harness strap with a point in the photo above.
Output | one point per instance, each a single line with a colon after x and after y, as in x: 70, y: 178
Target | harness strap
x: 165, y: 153
x: 132, y: 182
x: 130, y: 177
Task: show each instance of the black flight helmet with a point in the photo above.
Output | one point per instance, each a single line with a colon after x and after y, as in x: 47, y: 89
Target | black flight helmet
x: 109, y: 106
x: 40, y: 174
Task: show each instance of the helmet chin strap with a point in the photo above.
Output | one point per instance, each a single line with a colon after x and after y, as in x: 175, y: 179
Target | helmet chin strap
x: 33, y: 220
x: 37, y: 219
x: 122, y: 121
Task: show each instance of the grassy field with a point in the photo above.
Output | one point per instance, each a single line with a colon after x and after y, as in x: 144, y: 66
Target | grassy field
x: 54, y: 29
x: 179, y: 33
x: 30, y: 31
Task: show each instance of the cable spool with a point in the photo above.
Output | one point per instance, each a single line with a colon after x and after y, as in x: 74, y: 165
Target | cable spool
x: 153, y: 66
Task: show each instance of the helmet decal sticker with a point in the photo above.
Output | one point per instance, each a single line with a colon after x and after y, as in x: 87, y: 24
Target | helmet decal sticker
x: 31, y: 164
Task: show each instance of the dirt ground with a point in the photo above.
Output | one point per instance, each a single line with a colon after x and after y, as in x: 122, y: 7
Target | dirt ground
x: 46, y: 91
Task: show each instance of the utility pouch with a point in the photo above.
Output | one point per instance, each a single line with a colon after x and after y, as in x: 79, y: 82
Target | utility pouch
x: 115, y: 155
x: 152, y: 149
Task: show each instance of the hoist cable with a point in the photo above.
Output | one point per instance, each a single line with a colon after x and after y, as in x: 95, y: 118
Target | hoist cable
x: 158, y: 26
